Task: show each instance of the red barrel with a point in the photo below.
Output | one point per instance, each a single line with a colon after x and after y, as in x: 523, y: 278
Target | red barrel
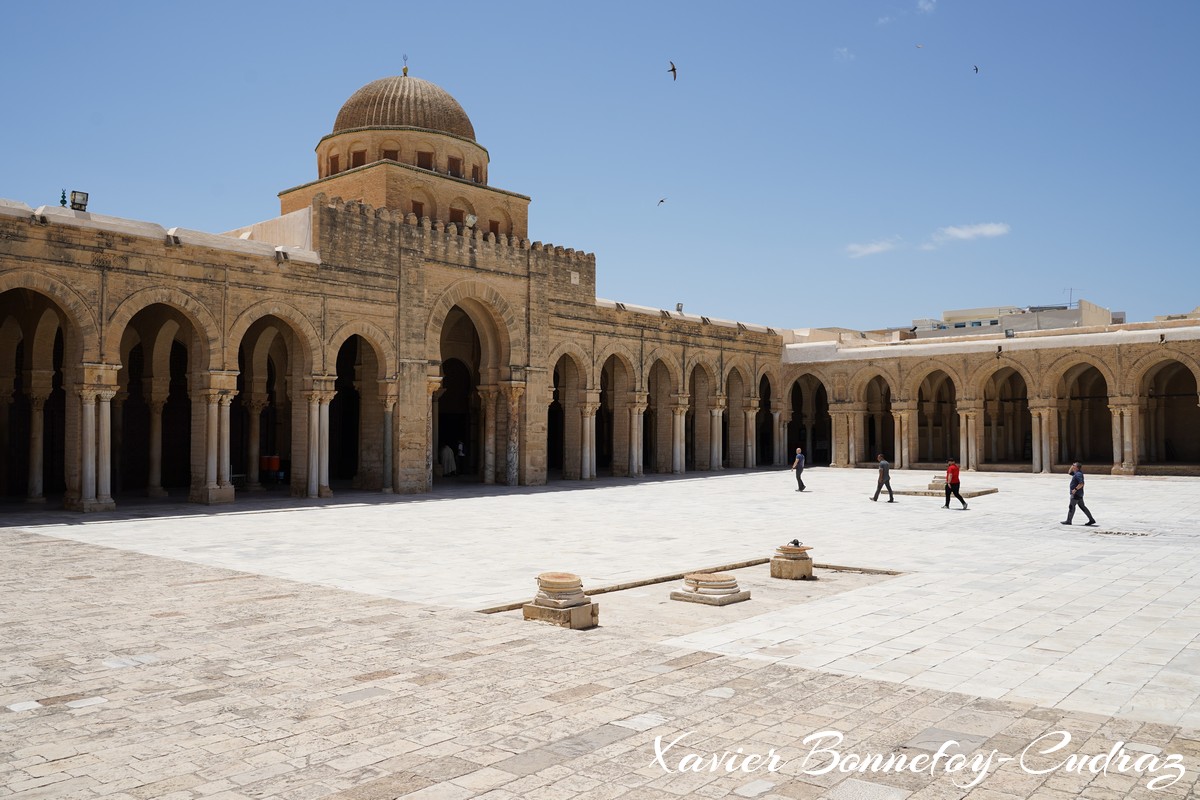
x: 271, y: 463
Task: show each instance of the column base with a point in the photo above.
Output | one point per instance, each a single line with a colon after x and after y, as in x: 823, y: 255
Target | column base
x: 255, y: 487
x: 1124, y: 469
x: 211, y: 495
x: 35, y: 499
x: 324, y: 491
x: 94, y: 504
x: 710, y: 599
x: 577, y: 618
x: 792, y: 569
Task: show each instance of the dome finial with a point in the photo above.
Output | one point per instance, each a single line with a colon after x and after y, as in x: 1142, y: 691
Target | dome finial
x: 405, y: 71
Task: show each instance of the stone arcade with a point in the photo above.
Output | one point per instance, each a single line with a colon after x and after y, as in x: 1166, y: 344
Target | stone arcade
x: 398, y: 303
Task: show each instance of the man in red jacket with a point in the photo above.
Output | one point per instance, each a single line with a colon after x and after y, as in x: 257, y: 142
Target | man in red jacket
x: 952, y: 484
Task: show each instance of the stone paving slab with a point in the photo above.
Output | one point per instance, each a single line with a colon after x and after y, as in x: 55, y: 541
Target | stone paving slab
x: 999, y: 601
x: 463, y: 705
x: 127, y: 675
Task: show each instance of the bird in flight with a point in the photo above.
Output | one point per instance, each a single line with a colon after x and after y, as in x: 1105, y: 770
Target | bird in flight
x: 673, y: 71
x: 663, y: 200
x: 976, y: 69
x: 920, y: 46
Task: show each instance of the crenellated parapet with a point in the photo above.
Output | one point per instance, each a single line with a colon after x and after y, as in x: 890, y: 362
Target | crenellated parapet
x: 354, y: 235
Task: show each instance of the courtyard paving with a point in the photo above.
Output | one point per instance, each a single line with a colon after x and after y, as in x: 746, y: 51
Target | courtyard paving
x: 332, y: 649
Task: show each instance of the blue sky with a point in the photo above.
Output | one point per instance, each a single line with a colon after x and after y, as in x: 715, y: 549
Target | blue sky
x: 819, y: 167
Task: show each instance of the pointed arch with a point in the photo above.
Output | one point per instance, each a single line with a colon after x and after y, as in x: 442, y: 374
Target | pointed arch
x: 705, y: 362
x: 623, y: 354
x: 864, y: 377
x: 669, y: 361
x: 379, y: 341
x: 583, y: 362
x: 1135, y: 375
x: 977, y: 379
x: 918, y: 373
x: 1054, y: 377
x: 81, y: 335
x: 312, y: 359
x: 193, y: 310
x: 495, y: 320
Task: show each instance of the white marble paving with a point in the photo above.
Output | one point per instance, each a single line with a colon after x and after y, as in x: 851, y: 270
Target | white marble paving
x: 998, y: 601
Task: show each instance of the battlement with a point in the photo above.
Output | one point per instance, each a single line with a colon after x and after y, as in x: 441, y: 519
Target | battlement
x: 354, y: 234
x: 438, y: 228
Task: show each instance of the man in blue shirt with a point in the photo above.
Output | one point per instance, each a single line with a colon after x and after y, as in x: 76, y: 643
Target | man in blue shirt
x: 798, y: 465
x: 1077, y: 496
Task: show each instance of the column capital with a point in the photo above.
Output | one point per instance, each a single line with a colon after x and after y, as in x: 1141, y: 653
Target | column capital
x: 256, y: 402
x: 432, y: 384
x: 589, y: 409
x: 91, y: 392
x: 904, y: 406
x: 971, y: 406
x: 513, y: 391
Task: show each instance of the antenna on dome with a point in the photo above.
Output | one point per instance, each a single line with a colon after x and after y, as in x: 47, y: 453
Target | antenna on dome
x: 405, y: 73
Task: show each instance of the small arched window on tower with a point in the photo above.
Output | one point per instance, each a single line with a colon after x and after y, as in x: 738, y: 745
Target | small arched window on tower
x: 334, y: 166
x: 391, y: 155
x: 358, y: 158
x: 454, y: 166
x: 476, y: 175
x: 425, y: 160
x: 458, y: 217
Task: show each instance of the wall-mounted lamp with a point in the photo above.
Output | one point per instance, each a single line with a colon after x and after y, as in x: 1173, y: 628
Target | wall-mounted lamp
x: 79, y: 201
x: 281, y: 254
x: 999, y: 350
x: 679, y: 308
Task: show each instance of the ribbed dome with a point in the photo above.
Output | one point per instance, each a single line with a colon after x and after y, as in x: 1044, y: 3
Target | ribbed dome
x: 401, y: 101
